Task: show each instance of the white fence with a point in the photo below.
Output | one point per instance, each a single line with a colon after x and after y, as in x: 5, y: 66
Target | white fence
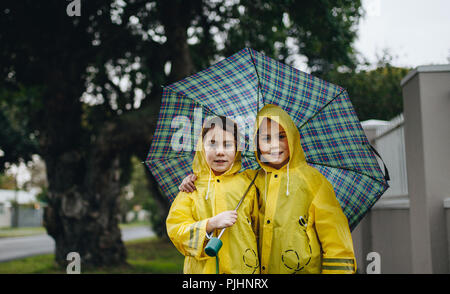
x: 409, y: 227
x: 390, y: 143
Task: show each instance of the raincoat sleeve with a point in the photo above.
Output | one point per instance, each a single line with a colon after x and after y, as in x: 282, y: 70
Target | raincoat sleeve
x: 332, y: 230
x: 187, y: 234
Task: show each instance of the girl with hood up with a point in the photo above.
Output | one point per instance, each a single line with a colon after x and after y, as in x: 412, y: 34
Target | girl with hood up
x: 302, y: 227
x: 195, y: 217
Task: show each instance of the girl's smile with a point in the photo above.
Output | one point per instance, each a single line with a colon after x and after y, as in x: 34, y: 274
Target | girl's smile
x: 220, y: 150
x: 273, y: 144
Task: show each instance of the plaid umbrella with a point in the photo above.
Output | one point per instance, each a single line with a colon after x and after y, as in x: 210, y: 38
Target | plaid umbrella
x: 331, y: 134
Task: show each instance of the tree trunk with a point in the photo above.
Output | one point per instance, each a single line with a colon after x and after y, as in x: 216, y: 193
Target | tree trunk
x: 84, y: 172
x: 85, y: 218
x: 83, y: 209
x: 176, y: 21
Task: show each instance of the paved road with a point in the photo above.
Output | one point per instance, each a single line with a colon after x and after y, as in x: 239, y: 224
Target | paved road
x: 18, y: 247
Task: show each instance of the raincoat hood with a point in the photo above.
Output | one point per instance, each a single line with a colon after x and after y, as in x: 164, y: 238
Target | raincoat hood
x: 277, y: 114
x: 296, y: 154
x: 200, y: 167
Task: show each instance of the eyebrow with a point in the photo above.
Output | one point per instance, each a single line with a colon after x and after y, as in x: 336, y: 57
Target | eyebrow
x: 268, y: 134
x: 226, y: 141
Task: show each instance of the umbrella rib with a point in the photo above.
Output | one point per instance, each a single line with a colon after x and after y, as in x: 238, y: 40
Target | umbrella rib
x: 349, y: 169
x: 345, y: 168
x: 323, y: 107
x: 229, y: 97
x: 198, y: 102
x: 259, y: 81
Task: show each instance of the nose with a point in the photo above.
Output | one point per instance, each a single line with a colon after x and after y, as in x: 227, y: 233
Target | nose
x: 220, y: 150
x: 275, y: 146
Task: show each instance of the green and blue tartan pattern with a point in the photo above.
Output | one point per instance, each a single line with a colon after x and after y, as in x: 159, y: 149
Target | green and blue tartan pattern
x: 331, y: 134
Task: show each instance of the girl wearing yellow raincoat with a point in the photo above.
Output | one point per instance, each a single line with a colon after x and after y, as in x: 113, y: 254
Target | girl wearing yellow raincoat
x: 302, y: 226
x: 193, y: 217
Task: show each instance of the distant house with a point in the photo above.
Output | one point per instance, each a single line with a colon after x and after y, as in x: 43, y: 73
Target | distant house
x: 28, y: 214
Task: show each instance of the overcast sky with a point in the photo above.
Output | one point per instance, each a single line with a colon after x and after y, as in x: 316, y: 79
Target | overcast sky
x: 416, y: 32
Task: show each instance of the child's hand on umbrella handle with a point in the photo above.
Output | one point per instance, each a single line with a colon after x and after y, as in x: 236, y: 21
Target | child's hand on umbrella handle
x: 187, y: 185
x: 222, y: 220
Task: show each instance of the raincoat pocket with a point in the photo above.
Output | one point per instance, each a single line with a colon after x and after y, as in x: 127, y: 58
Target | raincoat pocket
x: 250, y: 257
x: 250, y: 262
x: 297, y: 253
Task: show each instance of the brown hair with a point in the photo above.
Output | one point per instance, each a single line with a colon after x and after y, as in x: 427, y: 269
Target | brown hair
x: 225, y: 123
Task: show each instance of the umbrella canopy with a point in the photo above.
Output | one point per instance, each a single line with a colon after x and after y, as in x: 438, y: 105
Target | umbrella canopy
x: 237, y: 87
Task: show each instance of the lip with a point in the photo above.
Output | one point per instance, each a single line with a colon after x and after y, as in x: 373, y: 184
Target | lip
x: 220, y: 161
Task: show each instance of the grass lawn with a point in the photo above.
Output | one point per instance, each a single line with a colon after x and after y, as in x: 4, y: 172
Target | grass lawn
x: 21, y: 232
x: 7, y: 232
x: 145, y: 256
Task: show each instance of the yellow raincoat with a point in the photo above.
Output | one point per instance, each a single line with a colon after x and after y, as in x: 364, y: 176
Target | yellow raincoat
x: 302, y: 226
x: 188, y: 215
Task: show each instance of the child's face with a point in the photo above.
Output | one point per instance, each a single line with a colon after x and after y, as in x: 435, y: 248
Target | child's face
x: 273, y: 144
x: 219, y: 150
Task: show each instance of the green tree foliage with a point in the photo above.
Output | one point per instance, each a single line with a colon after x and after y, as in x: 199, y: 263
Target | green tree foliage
x: 85, y: 90
x: 320, y: 30
x: 375, y: 93
x: 15, y: 141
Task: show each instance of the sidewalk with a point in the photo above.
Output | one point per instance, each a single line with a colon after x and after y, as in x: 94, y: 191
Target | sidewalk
x: 19, y: 247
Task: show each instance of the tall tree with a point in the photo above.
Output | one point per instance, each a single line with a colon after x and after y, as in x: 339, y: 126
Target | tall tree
x: 375, y: 93
x: 86, y: 88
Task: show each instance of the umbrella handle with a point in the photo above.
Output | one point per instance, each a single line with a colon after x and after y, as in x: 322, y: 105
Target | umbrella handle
x: 221, y: 233
x: 242, y: 198
x: 214, y: 244
x: 239, y: 204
